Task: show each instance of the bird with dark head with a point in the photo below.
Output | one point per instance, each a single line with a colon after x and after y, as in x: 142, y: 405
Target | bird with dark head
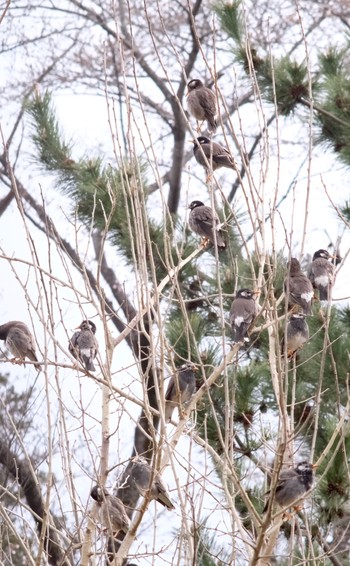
x: 216, y: 155
x: 20, y: 342
x: 148, y: 482
x: 293, y: 484
x: 201, y: 103
x: 83, y: 344
x: 298, y: 287
x: 321, y: 273
x: 204, y: 222
x: 243, y: 311
x: 296, y: 334
x: 112, y: 511
x: 181, y: 387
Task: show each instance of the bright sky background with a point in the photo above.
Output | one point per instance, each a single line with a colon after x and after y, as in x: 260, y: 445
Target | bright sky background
x: 81, y: 395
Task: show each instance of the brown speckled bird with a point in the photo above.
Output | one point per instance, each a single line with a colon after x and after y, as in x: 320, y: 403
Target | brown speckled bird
x: 293, y: 484
x: 243, y: 311
x: 149, y: 483
x: 204, y: 221
x: 181, y: 387
x: 20, y: 342
x: 217, y: 155
x: 83, y: 344
x: 321, y: 273
x: 201, y: 103
x: 298, y: 287
x: 297, y: 333
x: 112, y: 511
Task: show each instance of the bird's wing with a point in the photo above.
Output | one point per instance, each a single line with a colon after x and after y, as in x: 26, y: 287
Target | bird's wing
x: 22, y: 338
x: 224, y: 157
x: 300, y: 287
x: 171, y: 390
x: 73, y: 344
x: 207, y: 101
x: 159, y: 492
x: 117, y: 512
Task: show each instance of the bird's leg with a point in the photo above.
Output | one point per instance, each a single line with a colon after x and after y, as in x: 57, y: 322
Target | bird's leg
x: 322, y: 315
x: 209, y: 176
x: 294, y: 309
x: 199, y: 126
x: 205, y: 242
x: 16, y: 361
x: 287, y: 516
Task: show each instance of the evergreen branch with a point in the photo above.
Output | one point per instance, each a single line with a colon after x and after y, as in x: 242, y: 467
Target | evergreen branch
x: 324, y: 112
x: 48, y: 228
x: 129, y: 538
x: 155, y: 297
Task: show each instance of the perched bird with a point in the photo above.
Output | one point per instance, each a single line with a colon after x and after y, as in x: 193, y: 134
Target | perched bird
x: 201, y: 103
x: 112, y: 510
x: 217, y: 155
x: 204, y: 222
x: 243, y: 311
x: 19, y: 340
x: 181, y: 387
x: 142, y: 475
x: 321, y: 273
x: 296, y: 334
x: 293, y: 484
x: 298, y: 287
x: 83, y: 344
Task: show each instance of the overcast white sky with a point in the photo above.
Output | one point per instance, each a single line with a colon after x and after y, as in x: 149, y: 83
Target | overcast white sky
x: 82, y: 396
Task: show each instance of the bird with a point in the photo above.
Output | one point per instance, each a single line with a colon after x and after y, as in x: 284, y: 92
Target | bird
x: 201, y: 103
x: 83, y: 344
x: 296, y: 333
x: 293, y: 484
x: 321, y: 273
x: 204, y: 222
x: 20, y: 342
x: 243, y: 311
x: 217, y: 155
x: 148, y: 482
x: 181, y: 387
x: 298, y: 287
x: 112, y: 510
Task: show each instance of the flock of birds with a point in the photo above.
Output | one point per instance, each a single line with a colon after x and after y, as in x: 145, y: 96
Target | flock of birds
x: 299, y: 289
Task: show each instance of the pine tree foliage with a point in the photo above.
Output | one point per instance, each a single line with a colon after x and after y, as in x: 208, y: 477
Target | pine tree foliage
x: 208, y: 551
x: 116, y: 196
x: 196, y: 329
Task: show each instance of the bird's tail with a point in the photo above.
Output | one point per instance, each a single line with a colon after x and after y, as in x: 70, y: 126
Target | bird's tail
x: 164, y: 500
x: 212, y: 124
x: 323, y: 293
x: 89, y: 366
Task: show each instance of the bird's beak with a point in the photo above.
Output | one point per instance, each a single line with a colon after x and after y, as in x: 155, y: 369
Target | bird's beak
x: 313, y: 466
x: 191, y: 141
x: 256, y: 291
